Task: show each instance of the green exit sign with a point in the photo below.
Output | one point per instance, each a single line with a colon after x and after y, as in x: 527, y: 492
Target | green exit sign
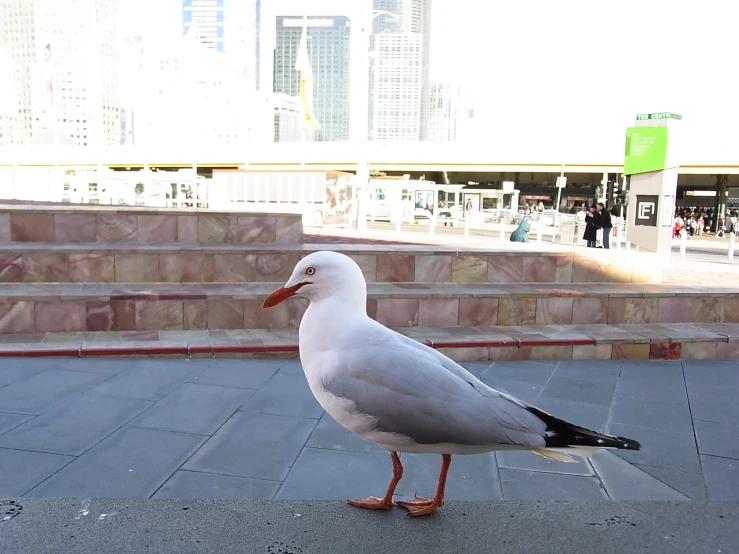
x: 658, y: 115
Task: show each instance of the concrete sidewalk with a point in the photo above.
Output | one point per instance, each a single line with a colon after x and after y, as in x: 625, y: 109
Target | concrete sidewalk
x: 197, y: 527
x: 251, y: 430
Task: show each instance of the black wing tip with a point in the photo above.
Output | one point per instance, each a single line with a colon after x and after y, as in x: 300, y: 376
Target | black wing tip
x: 565, y: 434
x: 628, y: 444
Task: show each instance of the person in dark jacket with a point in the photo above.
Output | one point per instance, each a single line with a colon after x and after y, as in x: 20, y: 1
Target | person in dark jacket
x: 604, y: 220
x: 522, y: 233
x: 591, y: 229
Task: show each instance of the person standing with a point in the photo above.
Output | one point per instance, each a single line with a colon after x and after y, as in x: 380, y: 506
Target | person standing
x: 591, y: 230
x: 604, y: 220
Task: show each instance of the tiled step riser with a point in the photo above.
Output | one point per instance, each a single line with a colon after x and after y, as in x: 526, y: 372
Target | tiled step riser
x: 702, y: 350
x: 192, y: 265
x: 146, y: 226
x: 192, y: 312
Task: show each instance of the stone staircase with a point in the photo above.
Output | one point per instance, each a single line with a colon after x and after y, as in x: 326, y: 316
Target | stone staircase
x: 118, y: 273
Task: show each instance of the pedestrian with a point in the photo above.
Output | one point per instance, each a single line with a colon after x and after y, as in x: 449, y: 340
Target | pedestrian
x: 591, y: 230
x: 692, y: 228
x: 604, y: 220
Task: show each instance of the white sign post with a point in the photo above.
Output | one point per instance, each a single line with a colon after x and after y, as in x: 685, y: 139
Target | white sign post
x: 561, y: 183
x: 651, y: 161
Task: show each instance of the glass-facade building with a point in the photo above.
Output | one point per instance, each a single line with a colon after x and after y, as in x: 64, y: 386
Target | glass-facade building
x: 207, y: 17
x: 328, y: 51
x: 400, y: 17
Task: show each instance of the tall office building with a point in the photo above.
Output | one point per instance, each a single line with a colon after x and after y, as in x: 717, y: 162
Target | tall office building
x: 183, y: 91
x: 227, y: 26
x: 63, y: 56
x: 328, y: 51
x: 444, y: 109
x: 288, y: 120
x: 399, y: 17
x: 397, y: 87
x: 206, y: 19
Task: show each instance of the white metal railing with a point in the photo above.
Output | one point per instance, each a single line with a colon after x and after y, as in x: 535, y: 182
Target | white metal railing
x: 142, y: 188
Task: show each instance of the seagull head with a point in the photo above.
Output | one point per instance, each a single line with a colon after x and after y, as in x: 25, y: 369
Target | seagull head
x: 323, y: 275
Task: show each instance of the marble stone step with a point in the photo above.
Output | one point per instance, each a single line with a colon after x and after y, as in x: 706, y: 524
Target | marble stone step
x: 125, y: 262
x: 33, y: 308
x: 526, y: 342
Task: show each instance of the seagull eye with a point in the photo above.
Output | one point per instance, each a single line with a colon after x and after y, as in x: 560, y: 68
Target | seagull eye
x: 310, y: 270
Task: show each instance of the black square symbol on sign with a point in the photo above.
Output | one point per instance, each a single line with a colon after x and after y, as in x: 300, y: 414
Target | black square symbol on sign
x: 646, y: 210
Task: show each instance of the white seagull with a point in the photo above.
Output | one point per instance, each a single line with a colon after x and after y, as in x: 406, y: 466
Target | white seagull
x: 405, y: 396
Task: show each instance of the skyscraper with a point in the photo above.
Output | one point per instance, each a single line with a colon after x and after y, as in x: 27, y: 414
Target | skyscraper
x: 397, y: 87
x: 328, y: 50
x: 399, y: 17
x: 443, y: 111
x: 227, y: 26
x: 186, y: 92
x: 206, y: 19
x: 64, y: 59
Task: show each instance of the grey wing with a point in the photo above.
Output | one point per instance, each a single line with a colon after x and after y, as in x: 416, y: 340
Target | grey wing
x: 409, y: 391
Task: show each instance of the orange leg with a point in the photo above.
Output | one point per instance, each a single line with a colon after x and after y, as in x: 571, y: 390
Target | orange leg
x: 385, y: 503
x: 423, y: 506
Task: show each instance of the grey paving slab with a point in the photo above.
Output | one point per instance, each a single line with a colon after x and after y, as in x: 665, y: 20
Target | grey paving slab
x: 476, y: 368
x: 717, y: 439
x: 473, y: 478
x: 74, y: 426
x: 652, y: 381
x: 723, y: 385
x: 719, y: 410
x: 590, y: 416
x: 665, y: 369
x: 130, y: 463
x: 525, y: 391
x: 588, y: 370
x: 691, y: 485
x: 538, y: 485
x: 255, y: 447
x: 42, y: 391
x: 653, y: 389
x: 722, y: 478
x: 196, y: 485
x: 624, y: 481
x: 330, y: 435
x: 291, y: 367
x: 194, y: 408
x: 653, y: 414
x: 261, y: 446
x: 536, y: 373
x: 150, y: 381
x: 22, y: 470
x: 531, y: 462
x: 659, y: 448
x: 711, y: 367
x: 599, y: 393
x: 47, y: 526
x: 11, y: 421
x: 333, y: 475
x: 247, y: 374
x: 112, y: 366
x: 16, y: 369
x: 285, y: 395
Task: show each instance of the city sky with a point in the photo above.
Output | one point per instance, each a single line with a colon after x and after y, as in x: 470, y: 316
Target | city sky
x: 565, y: 78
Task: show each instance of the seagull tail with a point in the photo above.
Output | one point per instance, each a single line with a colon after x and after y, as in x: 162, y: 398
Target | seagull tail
x: 561, y: 434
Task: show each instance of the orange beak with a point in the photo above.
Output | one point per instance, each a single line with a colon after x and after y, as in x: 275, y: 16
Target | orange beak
x: 281, y: 294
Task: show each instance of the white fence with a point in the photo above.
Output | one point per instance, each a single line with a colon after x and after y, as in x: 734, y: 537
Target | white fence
x: 133, y: 188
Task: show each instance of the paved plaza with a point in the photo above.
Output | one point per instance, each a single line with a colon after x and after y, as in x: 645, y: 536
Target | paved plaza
x: 250, y: 429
